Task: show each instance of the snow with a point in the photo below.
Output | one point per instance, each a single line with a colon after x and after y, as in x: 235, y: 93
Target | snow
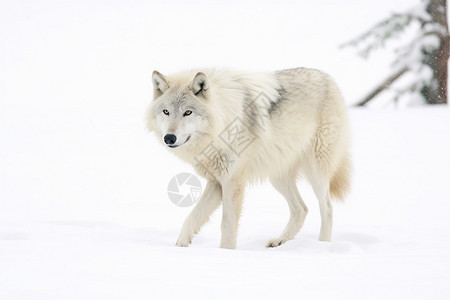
x: 85, y: 215
x: 84, y: 212
x: 419, y: 11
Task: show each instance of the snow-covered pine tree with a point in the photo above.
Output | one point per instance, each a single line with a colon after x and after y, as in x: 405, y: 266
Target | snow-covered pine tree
x: 425, y: 55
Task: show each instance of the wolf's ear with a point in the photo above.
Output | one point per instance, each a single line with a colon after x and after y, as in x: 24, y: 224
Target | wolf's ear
x: 200, y: 84
x: 160, y: 83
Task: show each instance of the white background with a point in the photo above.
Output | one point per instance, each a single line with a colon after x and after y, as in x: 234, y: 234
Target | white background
x: 84, y: 212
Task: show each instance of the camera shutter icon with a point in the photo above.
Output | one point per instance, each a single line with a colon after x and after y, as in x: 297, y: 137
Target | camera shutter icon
x: 184, y: 189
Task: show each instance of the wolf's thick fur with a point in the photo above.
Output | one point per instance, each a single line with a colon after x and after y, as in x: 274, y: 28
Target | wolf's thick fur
x: 238, y: 127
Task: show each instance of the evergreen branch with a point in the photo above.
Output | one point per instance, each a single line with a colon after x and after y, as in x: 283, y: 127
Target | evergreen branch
x: 377, y: 36
x: 382, y: 86
x: 412, y: 48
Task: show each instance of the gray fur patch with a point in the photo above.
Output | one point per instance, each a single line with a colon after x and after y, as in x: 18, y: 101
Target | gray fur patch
x: 250, y: 112
x: 275, y: 106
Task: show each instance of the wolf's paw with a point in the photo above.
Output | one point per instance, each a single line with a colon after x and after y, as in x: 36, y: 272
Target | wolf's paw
x: 183, y: 242
x: 276, y: 242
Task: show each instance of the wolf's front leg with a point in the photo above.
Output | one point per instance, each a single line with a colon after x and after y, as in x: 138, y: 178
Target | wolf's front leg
x: 232, y: 194
x: 207, y: 204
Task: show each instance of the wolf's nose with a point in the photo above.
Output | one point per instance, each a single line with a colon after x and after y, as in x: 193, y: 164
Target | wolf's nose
x: 170, y: 139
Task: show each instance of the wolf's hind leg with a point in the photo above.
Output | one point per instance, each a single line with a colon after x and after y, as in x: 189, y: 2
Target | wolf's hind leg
x: 298, y: 210
x: 207, y: 204
x: 321, y: 188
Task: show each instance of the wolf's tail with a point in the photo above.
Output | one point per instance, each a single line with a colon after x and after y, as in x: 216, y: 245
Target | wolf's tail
x: 340, y: 182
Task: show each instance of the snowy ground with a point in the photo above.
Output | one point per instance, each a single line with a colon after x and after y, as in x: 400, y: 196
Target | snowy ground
x: 84, y: 212
x: 85, y: 215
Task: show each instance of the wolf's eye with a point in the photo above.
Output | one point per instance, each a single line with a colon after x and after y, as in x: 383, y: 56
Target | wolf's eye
x: 187, y: 113
x: 166, y: 112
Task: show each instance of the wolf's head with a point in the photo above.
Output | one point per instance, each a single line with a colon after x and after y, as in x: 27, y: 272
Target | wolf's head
x: 178, y: 114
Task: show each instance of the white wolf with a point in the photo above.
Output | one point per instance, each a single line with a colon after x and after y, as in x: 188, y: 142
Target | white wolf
x: 236, y: 127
